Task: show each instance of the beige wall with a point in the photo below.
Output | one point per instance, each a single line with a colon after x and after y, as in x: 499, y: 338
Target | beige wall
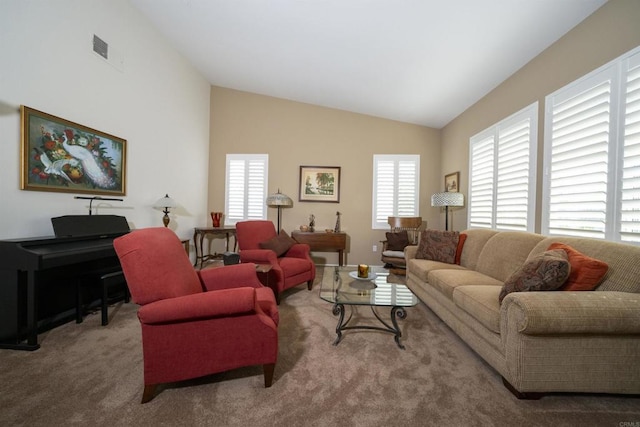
x: 295, y: 134
x: 608, y: 33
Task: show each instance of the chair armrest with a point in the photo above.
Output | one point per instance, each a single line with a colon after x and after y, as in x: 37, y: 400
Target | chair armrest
x: 410, y: 252
x: 229, y: 277
x: 259, y: 256
x: 204, y: 305
x: 299, y: 250
x: 566, y: 312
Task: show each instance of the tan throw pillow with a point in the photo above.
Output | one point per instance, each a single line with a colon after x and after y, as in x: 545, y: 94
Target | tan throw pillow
x: 279, y: 244
x: 545, y: 272
x: 397, y: 241
x: 438, y: 245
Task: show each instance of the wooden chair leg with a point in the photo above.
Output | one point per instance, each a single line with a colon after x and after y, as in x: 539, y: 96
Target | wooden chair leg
x: 149, y: 392
x: 268, y: 374
x: 310, y: 284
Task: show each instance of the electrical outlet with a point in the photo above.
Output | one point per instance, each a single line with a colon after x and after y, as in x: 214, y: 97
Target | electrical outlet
x: 375, y: 248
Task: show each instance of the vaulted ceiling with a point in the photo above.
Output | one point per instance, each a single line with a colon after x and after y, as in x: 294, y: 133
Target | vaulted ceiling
x: 416, y: 61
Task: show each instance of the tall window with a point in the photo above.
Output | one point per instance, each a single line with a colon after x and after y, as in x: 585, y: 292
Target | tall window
x: 246, y: 187
x: 396, y: 187
x: 502, y: 173
x: 591, y: 184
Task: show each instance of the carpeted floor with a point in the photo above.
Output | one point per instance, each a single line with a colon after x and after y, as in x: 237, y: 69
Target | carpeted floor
x: 87, y: 374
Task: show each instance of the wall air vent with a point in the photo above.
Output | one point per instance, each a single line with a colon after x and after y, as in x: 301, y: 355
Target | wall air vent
x: 100, y: 47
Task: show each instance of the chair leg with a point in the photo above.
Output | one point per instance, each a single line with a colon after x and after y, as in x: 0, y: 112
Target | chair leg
x: 268, y: 374
x: 149, y: 392
x: 310, y: 284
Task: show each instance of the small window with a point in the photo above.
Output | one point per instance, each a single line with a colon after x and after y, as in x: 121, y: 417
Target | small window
x: 396, y: 187
x: 246, y: 187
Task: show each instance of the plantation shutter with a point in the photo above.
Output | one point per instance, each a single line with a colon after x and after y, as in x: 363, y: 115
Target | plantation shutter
x: 246, y: 187
x: 481, y: 182
x: 396, y: 187
x: 630, y: 198
x: 501, y: 173
x: 579, y: 159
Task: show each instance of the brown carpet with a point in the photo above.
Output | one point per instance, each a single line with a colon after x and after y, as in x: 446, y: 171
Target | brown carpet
x: 92, y: 375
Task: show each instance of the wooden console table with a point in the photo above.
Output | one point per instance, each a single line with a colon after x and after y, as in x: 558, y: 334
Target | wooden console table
x: 198, y: 237
x: 323, y: 242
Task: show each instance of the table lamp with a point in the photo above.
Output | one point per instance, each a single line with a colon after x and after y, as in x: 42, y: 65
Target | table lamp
x: 165, y: 203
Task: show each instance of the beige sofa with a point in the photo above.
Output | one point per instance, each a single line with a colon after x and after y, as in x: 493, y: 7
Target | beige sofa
x: 539, y: 342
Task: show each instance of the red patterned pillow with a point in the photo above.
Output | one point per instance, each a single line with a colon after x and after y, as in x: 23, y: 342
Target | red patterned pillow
x: 545, y: 272
x: 586, y: 272
x: 438, y: 245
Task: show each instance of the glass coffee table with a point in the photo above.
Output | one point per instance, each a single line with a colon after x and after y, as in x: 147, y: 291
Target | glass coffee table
x: 343, y: 288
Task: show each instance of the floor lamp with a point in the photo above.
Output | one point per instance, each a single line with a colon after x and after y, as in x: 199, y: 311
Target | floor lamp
x: 279, y: 201
x: 447, y: 199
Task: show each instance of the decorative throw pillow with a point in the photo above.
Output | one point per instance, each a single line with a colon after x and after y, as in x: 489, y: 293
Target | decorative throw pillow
x: 461, y: 239
x: 545, y: 272
x: 397, y: 241
x: 279, y: 244
x: 586, y: 272
x: 438, y: 245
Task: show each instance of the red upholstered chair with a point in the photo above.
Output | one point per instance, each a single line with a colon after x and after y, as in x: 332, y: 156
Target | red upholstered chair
x: 195, y: 323
x: 289, y: 269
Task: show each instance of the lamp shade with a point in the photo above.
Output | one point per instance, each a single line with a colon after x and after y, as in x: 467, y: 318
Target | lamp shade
x: 279, y: 199
x: 447, y: 199
x: 165, y: 202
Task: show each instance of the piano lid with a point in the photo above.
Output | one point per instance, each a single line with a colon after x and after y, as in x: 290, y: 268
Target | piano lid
x: 89, y: 225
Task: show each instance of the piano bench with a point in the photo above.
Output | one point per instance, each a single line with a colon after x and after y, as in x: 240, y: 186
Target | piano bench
x: 106, y: 281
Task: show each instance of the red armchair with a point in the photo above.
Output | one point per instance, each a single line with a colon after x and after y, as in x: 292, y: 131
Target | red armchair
x: 195, y: 323
x: 291, y: 268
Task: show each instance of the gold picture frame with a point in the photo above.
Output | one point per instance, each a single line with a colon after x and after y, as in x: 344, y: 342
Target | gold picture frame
x: 63, y: 156
x: 319, y: 184
x: 452, y: 182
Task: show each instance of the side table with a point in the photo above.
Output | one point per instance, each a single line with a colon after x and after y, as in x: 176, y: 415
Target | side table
x: 323, y: 242
x: 198, y: 237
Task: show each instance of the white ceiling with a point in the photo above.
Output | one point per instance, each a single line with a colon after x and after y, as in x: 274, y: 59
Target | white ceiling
x: 416, y: 61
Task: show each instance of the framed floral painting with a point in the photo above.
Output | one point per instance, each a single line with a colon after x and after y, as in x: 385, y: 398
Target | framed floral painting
x: 319, y: 184
x: 59, y: 155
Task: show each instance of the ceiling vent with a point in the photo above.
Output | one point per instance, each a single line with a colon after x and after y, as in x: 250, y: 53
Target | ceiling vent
x: 100, y: 47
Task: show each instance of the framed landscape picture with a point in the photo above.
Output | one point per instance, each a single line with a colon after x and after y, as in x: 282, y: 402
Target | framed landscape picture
x: 451, y: 182
x: 59, y: 155
x: 319, y: 184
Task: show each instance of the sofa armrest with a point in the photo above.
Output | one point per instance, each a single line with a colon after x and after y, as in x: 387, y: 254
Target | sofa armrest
x: 410, y: 252
x: 230, y: 276
x: 259, y: 256
x: 205, y: 305
x: 299, y: 250
x: 560, y: 312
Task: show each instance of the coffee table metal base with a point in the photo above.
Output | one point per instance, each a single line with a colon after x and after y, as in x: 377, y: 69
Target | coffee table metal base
x: 399, y: 312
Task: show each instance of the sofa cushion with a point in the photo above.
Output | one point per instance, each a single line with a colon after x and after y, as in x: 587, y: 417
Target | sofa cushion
x: 438, y: 245
x: 545, y: 272
x: 280, y: 244
x: 480, y: 302
x: 586, y: 272
x: 447, y: 280
x: 397, y: 241
x: 421, y: 267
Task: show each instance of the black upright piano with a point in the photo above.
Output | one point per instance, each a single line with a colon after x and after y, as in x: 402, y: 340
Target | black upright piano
x: 38, y: 276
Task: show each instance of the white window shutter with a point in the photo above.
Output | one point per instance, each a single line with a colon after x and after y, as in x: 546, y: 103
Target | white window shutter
x: 502, y: 163
x: 246, y: 187
x: 630, y: 197
x: 396, y: 187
